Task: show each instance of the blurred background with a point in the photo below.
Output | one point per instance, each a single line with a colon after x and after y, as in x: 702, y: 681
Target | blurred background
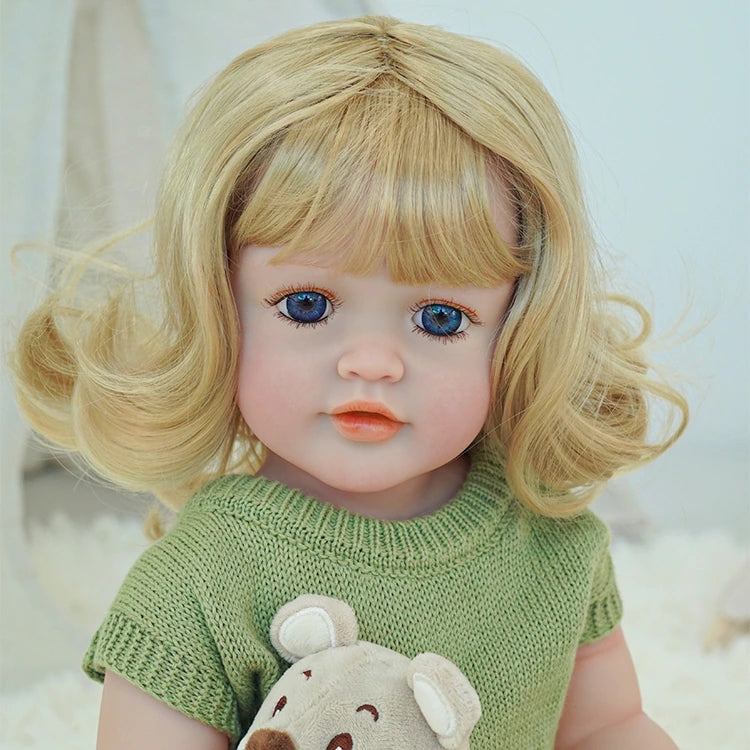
x: 656, y: 94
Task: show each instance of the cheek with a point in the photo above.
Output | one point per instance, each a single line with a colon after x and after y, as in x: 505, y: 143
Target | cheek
x: 460, y: 400
x: 270, y: 386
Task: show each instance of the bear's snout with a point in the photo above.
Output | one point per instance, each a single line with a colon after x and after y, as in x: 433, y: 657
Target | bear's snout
x: 269, y: 739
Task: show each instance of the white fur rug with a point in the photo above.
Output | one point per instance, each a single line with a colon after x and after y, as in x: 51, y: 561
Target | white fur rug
x: 670, y: 585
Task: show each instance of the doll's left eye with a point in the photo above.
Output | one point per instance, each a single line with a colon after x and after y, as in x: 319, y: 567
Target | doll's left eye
x: 441, y: 320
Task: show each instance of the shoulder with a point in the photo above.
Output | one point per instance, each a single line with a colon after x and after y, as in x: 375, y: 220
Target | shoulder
x: 584, y: 531
x: 225, y: 494
x: 222, y: 508
x: 565, y: 553
x: 584, y: 534
x: 199, y: 536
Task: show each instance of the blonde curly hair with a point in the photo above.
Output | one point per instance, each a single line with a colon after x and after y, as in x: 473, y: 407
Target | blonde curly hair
x: 378, y: 141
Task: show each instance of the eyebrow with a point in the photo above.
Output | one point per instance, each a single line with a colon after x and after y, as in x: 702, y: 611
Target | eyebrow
x: 371, y: 709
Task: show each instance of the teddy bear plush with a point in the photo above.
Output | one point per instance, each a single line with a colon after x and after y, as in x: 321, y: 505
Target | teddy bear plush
x: 345, y: 694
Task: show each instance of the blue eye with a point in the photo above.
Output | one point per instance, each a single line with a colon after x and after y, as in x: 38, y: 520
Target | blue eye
x: 305, y: 307
x: 441, y: 320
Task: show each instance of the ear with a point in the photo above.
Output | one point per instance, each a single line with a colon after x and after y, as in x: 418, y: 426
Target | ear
x: 448, y: 702
x: 312, y: 623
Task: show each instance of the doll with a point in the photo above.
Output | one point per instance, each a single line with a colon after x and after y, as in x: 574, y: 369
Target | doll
x: 385, y: 371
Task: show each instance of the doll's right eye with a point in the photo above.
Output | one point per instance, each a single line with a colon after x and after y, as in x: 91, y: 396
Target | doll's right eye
x: 304, y: 306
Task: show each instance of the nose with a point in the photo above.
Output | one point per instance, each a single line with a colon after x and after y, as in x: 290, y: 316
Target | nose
x: 371, y: 360
x: 269, y: 739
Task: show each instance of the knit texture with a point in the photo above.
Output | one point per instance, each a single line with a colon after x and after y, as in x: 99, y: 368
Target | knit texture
x: 505, y: 594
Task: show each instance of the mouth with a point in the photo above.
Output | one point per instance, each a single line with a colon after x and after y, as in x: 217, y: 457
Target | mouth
x: 365, y: 422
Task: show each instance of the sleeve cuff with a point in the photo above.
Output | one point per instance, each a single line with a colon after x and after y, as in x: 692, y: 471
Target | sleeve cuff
x: 199, y: 690
x: 604, y: 616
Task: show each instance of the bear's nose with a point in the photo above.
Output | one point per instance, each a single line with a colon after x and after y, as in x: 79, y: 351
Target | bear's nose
x: 269, y: 739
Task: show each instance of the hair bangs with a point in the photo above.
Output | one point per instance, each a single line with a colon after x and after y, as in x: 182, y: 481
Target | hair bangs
x: 382, y: 178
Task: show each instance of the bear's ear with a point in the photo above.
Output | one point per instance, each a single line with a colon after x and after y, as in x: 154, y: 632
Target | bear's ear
x: 312, y: 623
x: 448, y: 702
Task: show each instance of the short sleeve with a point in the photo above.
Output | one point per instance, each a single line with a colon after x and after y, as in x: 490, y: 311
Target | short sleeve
x: 155, y: 636
x: 605, y: 606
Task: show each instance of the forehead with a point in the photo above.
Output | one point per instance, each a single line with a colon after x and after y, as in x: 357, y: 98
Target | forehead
x: 259, y: 269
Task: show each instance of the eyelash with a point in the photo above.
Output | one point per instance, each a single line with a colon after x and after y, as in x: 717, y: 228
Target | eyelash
x: 467, y: 311
x: 332, y: 298
x: 442, y: 339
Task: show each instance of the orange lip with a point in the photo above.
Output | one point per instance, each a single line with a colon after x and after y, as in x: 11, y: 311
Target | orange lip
x: 365, y: 422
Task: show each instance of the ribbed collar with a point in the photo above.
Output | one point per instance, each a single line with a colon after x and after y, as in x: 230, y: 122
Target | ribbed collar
x: 451, y: 533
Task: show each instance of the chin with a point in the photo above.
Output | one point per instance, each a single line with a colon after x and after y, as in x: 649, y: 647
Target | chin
x: 361, y: 484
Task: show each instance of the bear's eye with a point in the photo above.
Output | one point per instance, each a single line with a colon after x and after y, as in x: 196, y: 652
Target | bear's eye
x: 279, y: 705
x: 341, y: 742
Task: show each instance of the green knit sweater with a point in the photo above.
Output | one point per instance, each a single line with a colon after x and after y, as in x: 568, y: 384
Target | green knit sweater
x: 505, y: 594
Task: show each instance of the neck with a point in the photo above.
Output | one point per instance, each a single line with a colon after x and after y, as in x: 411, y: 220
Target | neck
x: 418, y: 496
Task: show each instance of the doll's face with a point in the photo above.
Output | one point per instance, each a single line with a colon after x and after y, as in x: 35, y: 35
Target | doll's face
x: 358, y: 382
x: 362, y: 386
